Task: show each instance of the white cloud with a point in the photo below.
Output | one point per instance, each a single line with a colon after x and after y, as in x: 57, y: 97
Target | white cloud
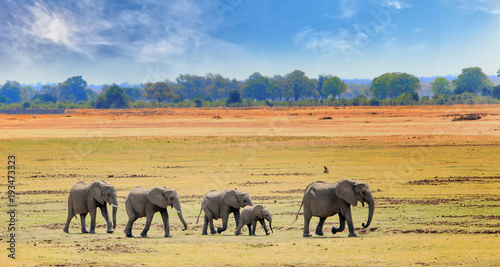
x: 396, y: 4
x: 472, y: 6
x: 417, y: 30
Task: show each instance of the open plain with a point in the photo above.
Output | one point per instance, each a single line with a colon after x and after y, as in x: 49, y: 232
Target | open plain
x: 436, y: 183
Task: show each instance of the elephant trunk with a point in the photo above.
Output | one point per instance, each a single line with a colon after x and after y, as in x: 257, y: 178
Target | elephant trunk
x: 115, y: 209
x: 270, y: 227
x: 371, y: 209
x: 113, y: 201
x: 177, y: 206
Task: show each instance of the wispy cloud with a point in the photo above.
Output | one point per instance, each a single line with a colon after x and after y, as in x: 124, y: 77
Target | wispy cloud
x: 472, y: 6
x: 143, y: 31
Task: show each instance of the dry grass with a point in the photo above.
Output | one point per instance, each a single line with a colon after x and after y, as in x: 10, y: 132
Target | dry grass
x: 436, y: 193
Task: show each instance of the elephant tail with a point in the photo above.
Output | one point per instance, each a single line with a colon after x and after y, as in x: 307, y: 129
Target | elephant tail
x: 199, y: 216
x: 297, y: 216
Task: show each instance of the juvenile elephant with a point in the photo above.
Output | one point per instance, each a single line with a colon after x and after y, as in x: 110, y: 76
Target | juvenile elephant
x: 219, y: 204
x: 250, y: 215
x: 322, y: 199
x: 145, y: 202
x: 87, y: 197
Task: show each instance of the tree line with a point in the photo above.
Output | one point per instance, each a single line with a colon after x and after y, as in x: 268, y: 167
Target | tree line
x: 292, y: 89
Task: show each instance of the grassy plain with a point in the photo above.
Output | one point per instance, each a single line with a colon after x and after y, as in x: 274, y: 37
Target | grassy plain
x: 436, y: 183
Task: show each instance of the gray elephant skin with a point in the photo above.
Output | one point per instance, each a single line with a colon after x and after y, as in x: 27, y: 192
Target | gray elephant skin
x: 85, y: 198
x: 219, y: 204
x: 322, y: 199
x: 145, y: 202
x: 250, y: 215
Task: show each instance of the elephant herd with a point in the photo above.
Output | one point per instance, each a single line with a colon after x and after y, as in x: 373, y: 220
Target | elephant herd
x: 321, y: 199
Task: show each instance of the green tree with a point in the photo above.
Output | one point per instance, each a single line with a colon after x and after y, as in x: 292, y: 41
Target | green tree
x: 234, y: 98
x: 495, y: 92
x: 391, y: 85
x: 47, y: 97
x: 441, y: 86
x: 159, y: 91
x: 73, y: 90
x: 300, y: 86
x: 11, y: 90
x: 471, y: 80
x: 113, y: 97
x: 259, y: 87
x: 333, y: 86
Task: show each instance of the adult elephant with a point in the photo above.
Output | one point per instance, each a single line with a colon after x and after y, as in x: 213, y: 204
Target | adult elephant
x: 85, y: 198
x: 322, y: 199
x: 145, y: 202
x: 219, y: 204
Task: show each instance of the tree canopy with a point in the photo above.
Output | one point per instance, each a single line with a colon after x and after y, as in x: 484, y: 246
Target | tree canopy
x: 471, y: 80
x: 333, y: 86
x: 159, y: 91
x: 441, y: 86
x: 391, y: 85
x: 73, y: 89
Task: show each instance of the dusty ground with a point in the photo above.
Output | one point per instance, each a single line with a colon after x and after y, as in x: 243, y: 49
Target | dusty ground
x: 344, y: 121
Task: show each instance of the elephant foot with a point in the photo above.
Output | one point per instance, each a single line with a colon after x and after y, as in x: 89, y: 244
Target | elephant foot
x: 267, y: 233
x: 204, y: 233
x: 110, y: 231
x: 306, y: 235
x: 91, y: 232
x: 219, y: 230
x: 85, y: 232
x: 319, y: 232
x: 353, y: 235
x: 129, y: 235
x: 167, y: 236
x: 335, y: 230
x: 144, y: 236
x: 66, y: 231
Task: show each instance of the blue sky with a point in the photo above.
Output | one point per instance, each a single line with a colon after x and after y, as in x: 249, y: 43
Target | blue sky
x: 141, y: 41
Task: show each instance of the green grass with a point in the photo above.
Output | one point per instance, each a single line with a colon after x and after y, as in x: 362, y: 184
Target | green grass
x: 436, y: 199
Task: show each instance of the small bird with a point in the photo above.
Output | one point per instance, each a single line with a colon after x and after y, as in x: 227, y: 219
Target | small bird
x: 326, y: 170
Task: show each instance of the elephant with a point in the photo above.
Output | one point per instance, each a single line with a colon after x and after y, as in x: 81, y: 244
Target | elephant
x: 219, y: 204
x: 145, y: 202
x: 322, y: 199
x: 87, y: 197
x: 250, y: 215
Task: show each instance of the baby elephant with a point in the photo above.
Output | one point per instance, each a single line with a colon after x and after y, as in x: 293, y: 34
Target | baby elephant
x: 250, y: 215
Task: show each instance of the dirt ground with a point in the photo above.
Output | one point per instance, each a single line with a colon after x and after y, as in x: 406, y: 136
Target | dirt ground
x: 318, y: 121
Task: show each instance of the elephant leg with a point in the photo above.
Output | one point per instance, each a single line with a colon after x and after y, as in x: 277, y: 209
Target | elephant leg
x: 93, y: 213
x: 341, y: 224
x: 249, y: 229
x: 82, y: 220
x: 348, y: 218
x: 307, y: 220
x: 263, y: 223
x: 128, y: 228
x: 238, y: 230
x: 166, y: 225
x: 225, y: 217
x: 212, y: 227
x: 104, y: 212
x: 68, y: 221
x: 149, y: 219
x: 236, y: 214
x: 205, y: 225
x: 319, y: 228
x: 254, y: 225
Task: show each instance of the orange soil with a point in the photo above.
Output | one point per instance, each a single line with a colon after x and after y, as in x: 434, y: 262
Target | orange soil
x: 345, y: 121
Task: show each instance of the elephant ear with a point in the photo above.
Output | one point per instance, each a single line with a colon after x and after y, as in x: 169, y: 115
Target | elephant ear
x: 257, y: 212
x: 157, y: 197
x: 96, y: 192
x: 345, y: 191
x: 231, y: 199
